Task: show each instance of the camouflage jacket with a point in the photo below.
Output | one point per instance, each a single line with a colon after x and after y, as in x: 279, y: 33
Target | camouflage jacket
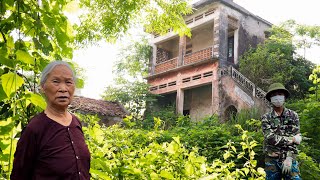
x: 278, y: 132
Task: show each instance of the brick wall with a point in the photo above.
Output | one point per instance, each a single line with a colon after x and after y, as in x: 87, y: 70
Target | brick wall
x: 198, y: 56
x: 167, y: 65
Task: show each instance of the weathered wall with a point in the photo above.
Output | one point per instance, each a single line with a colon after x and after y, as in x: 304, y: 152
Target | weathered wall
x: 172, y: 46
x: 223, y: 93
x: 109, y: 121
x: 200, y: 104
x: 202, y: 37
x: 233, y: 94
x: 179, y: 76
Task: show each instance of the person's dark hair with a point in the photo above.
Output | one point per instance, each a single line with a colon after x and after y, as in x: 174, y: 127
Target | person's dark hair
x: 50, y: 67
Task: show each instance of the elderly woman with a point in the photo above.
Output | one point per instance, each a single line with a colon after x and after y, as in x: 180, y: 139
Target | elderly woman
x: 52, y: 146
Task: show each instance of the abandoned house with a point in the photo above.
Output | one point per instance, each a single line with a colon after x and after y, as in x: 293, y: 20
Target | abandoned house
x: 199, y: 74
x: 108, y: 112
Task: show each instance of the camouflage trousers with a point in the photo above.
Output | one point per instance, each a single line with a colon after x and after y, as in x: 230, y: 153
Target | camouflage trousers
x: 274, y: 172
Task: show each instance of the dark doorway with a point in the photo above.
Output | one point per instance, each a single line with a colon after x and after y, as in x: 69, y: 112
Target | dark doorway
x: 186, y: 112
x: 231, y: 113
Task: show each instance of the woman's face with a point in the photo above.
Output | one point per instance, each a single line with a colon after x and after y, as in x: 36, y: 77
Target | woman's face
x: 59, y: 87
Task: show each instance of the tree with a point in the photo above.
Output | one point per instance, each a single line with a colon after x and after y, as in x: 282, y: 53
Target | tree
x: 306, y: 36
x: 130, y: 88
x: 33, y: 33
x: 111, y: 19
x: 276, y: 60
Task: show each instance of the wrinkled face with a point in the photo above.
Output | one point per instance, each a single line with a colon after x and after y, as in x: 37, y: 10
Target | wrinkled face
x: 59, y: 87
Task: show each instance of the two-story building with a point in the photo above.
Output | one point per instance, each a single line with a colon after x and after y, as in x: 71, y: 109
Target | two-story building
x: 198, y: 74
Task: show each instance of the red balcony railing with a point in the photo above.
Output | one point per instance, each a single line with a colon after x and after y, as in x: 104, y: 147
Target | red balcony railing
x: 167, y: 65
x: 197, y: 56
x: 191, y: 58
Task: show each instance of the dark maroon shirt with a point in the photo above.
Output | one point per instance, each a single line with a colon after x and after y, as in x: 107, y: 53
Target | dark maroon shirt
x: 48, y: 150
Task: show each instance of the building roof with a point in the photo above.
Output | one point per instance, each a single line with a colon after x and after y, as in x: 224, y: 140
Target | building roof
x: 231, y: 4
x: 100, y: 107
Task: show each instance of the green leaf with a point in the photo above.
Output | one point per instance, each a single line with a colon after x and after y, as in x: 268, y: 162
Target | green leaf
x: 11, y: 82
x: 6, y: 126
x: 102, y: 175
x: 234, y: 149
x: 226, y: 155
x: 71, y: 7
x: 3, y: 95
x: 8, y: 62
x: 240, y: 155
x: 25, y: 57
x: 166, y: 174
x: 246, y: 170
x: 189, y: 169
x: 10, y: 42
x: 37, y: 100
x: 80, y: 83
x: 153, y: 175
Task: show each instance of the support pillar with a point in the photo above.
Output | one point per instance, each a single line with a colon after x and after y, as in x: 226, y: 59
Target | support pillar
x: 220, y: 37
x: 179, y: 101
x: 182, y: 49
x: 236, y: 46
x: 215, y: 93
x: 154, y: 59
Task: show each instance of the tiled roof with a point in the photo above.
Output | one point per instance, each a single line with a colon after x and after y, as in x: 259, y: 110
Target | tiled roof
x: 100, y: 107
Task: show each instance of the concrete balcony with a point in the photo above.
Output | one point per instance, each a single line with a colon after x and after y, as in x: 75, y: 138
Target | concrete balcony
x: 166, y: 65
x: 198, y: 57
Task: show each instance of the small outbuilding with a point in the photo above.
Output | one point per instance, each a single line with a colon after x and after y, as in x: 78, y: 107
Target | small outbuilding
x: 110, y: 113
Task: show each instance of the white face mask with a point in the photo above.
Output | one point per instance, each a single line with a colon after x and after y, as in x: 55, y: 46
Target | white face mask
x: 277, y: 100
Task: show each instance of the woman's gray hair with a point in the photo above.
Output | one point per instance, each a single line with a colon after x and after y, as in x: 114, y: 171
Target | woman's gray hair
x: 50, y: 67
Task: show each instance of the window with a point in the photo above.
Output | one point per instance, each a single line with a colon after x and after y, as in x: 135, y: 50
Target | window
x: 231, y: 49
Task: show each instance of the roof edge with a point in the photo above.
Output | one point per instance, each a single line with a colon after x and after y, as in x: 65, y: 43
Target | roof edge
x: 232, y: 5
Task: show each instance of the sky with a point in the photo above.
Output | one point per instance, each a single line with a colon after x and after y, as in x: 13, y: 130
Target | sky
x: 97, y: 61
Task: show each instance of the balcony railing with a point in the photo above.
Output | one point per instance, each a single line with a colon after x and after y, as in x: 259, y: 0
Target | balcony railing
x: 246, y: 83
x: 191, y: 58
x: 197, y: 56
x: 166, y: 65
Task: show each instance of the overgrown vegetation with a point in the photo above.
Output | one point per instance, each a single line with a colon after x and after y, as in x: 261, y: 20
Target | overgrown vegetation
x: 277, y: 60
x: 179, y: 153
x: 196, y: 150
x: 160, y: 146
x: 33, y: 33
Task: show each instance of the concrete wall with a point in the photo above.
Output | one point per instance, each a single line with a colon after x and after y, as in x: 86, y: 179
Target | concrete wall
x: 233, y: 94
x: 172, y: 46
x: 202, y: 37
x: 251, y: 31
x: 109, y: 121
x: 200, y: 102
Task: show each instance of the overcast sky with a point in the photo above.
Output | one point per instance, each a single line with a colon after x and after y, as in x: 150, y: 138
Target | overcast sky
x: 97, y: 61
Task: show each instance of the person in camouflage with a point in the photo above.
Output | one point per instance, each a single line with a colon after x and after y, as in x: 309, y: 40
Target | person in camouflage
x: 281, y: 130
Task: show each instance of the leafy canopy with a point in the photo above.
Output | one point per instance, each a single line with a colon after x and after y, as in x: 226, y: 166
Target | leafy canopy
x: 111, y: 19
x: 130, y: 88
x: 276, y: 60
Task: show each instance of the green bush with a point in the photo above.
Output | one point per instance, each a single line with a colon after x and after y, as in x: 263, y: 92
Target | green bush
x: 309, y: 114
x: 124, y: 153
x: 134, y: 154
x: 309, y: 168
x: 167, y: 115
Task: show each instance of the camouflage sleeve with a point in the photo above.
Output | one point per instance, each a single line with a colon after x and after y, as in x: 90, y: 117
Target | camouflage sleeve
x: 270, y: 135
